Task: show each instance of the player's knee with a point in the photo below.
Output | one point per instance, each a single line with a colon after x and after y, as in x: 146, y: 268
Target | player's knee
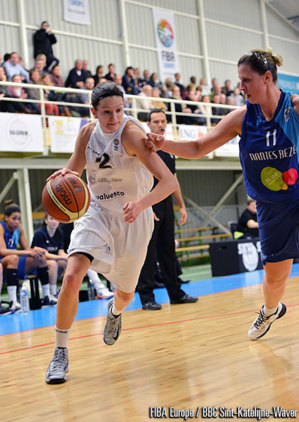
x: 71, y: 283
x: 12, y: 261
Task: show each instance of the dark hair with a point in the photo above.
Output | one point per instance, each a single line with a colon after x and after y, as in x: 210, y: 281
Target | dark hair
x: 262, y: 60
x: 10, y: 209
x: 250, y: 200
x: 155, y: 110
x: 106, y: 89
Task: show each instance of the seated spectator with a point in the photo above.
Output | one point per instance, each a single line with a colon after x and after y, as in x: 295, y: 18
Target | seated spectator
x: 205, y: 89
x: 238, y: 97
x: 217, y: 111
x: 19, y: 92
x: 6, y: 57
x: 158, y: 103
x: 193, y: 80
x: 76, y: 76
x: 197, y: 118
x: 40, y: 65
x: 55, y: 76
x: 144, y: 103
x: 84, y: 98
x: 85, y: 68
x: 145, y: 80
x: 99, y: 74
x: 177, y: 81
x: 4, y: 92
x: 43, y: 39
x: 226, y: 89
x: 12, y: 67
x: 154, y: 81
x: 49, y: 238
x: 118, y: 81
x: 18, y: 263
x: 166, y: 91
x: 129, y: 83
x: 248, y: 221
x: 229, y: 101
x: 110, y: 75
x: 179, y: 107
x: 49, y: 96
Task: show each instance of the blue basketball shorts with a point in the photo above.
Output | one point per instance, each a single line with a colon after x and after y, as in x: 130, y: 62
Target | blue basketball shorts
x: 278, y: 230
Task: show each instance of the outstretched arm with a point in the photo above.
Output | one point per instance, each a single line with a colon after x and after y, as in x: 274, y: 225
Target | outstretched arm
x: 229, y: 127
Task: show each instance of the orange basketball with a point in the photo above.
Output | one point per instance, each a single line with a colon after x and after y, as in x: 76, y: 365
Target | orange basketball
x: 66, y: 198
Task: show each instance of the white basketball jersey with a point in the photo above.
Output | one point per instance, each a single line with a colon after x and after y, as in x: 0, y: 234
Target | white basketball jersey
x: 113, y: 176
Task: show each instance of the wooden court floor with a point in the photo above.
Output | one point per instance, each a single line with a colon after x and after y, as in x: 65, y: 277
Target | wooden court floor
x: 181, y: 358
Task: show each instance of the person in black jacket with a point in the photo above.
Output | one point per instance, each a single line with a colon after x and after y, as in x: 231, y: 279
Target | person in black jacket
x: 42, y: 44
x: 161, y: 246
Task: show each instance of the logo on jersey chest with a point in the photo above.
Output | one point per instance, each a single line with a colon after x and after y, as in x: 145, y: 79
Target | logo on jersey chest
x: 115, y: 144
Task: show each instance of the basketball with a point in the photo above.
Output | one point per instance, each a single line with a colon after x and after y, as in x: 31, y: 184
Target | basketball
x: 66, y: 198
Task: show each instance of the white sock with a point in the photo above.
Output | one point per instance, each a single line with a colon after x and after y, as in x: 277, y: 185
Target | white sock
x: 53, y: 289
x: 93, y: 276
x: 270, y: 311
x: 62, y: 337
x: 115, y: 311
x: 12, y: 293
x: 46, y: 290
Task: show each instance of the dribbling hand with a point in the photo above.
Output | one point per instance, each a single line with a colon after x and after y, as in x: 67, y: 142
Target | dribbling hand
x: 63, y: 172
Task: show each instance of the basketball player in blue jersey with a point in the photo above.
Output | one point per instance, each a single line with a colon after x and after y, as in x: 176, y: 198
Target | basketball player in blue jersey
x: 18, y: 263
x: 269, y: 147
x: 113, y: 235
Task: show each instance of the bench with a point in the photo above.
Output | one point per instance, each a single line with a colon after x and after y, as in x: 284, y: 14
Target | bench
x: 203, y: 254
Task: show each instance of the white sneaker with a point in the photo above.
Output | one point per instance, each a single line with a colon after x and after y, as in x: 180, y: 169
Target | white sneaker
x: 104, y: 293
x: 14, y: 306
x: 263, y: 323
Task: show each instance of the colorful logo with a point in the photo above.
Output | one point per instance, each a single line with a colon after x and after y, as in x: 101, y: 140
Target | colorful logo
x: 115, y: 144
x: 275, y: 180
x: 165, y: 33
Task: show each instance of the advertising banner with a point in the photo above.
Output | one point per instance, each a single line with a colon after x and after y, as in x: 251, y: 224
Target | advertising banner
x: 64, y: 132
x: 288, y: 83
x: 76, y: 11
x: 165, y: 35
x: 230, y: 149
x: 21, y: 133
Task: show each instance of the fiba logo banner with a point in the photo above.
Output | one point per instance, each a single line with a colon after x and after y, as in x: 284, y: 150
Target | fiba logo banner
x: 249, y: 255
x: 166, y: 43
x: 165, y: 33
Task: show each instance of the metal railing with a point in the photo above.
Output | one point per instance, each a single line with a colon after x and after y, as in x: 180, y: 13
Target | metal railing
x: 133, y: 109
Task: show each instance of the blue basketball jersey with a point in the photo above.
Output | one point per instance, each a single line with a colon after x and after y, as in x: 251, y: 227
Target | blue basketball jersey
x: 269, y: 152
x: 11, y: 238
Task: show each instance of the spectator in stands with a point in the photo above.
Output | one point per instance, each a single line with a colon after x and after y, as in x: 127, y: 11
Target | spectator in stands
x: 84, y: 98
x: 179, y: 107
x: 85, y: 68
x: 43, y: 39
x: 155, y: 82
x: 117, y: 79
x: 76, y: 76
x: 18, y: 263
x: 197, y: 117
x: 226, y: 89
x: 193, y: 80
x: 145, y: 80
x: 238, y: 98
x: 217, y: 111
x: 12, y: 67
x: 166, y: 91
x: 177, y: 81
x: 55, y: 76
x: 19, y: 92
x: 99, y: 74
x: 158, y: 103
x: 39, y: 65
x: 49, y: 96
x: 50, y: 238
x: 205, y: 89
x: 144, y: 103
x: 6, y: 57
x: 110, y: 75
x: 229, y: 102
x: 247, y: 223
x: 4, y: 92
x: 129, y: 83
x: 161, y: 246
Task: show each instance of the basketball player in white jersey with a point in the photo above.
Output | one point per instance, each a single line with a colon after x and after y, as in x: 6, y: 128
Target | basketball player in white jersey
x: 113, y: 235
